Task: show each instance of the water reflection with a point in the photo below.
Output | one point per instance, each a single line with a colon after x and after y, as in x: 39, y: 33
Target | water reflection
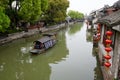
x: 97, y: 69
x: 70, y: 59
x: 79, y: 64
x: 89, y: 35
x: 2, y: 66
x: 25, y: 50
x: 17, y: 64
x: 75, y: 28
x: 60, y: 51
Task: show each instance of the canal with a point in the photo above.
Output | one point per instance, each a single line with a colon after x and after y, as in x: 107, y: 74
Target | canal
x: 72, y: 58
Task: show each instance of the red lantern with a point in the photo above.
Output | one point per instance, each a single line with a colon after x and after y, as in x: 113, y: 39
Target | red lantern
x: 98, y: 28
x: 109, y: 33
x: 107, y: 57
x: 108, y: 41
x: 107, y: 64
x: 98, y: 34
x: 108, y: 49
x: 99, y: 25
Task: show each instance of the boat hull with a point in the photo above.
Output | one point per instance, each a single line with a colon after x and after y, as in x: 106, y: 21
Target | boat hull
x: 37, y: 51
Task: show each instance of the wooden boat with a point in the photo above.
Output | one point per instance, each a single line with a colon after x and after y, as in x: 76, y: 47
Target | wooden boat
x: 43, y: 44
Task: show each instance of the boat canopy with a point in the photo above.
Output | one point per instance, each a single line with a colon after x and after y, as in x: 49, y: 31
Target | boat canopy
x: 44, y: 39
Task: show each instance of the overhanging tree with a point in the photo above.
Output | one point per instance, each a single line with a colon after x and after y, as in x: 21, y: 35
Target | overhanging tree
x: 4, y: 20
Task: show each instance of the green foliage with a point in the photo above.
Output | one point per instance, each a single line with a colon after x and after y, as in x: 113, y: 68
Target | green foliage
x: 56, y: 11
x: 4, y: 3
x: 2, y: 9
x: 4, y: 20
x: 30, y: 10
x: 44, y: 5
x: 75, y: 14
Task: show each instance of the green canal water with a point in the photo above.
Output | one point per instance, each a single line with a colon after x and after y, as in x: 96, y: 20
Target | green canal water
x: 72, y: 58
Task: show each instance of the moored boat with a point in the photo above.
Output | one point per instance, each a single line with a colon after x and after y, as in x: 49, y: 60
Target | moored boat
x: 43, y: 44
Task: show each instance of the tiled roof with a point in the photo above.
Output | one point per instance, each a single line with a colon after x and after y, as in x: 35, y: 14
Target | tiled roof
x: 111, y: 20
x: 117, y: 28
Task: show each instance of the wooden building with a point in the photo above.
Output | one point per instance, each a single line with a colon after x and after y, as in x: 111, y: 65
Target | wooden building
x: 110, y: 23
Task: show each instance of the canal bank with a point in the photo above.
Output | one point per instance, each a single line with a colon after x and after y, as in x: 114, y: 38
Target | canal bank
x: 31, y: 32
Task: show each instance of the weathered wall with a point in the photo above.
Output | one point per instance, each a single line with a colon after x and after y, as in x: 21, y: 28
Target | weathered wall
x: 116, y: 55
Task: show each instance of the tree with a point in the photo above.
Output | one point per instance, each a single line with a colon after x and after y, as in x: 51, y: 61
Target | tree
x: 56, y: 11
x: 30, y: 10
x: 4, y: 3
x: 75, y: 14
x: 44, y: 5
x: 4, y: 20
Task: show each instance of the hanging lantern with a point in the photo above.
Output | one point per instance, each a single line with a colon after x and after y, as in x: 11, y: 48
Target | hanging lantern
x: 108, y: 49
x: 107, y: 57
x: 109, y: 34
x: 107, y: 64
x: 108, y: 42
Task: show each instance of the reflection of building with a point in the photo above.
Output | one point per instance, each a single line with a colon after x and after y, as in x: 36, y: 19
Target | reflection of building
x: 97, y: 70
x: 89, y: 35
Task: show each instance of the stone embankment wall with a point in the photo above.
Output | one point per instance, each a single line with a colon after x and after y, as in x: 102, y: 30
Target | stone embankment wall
x: 30, y: 32
x: 17, y: 35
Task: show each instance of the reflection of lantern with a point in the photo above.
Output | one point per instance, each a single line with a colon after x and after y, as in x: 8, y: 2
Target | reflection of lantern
x: 107, y: 64
x: 107, y: 57
x: 108, y: 49
x: 98, y: 34
x: 98, y: 27
x: 109, y: 34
